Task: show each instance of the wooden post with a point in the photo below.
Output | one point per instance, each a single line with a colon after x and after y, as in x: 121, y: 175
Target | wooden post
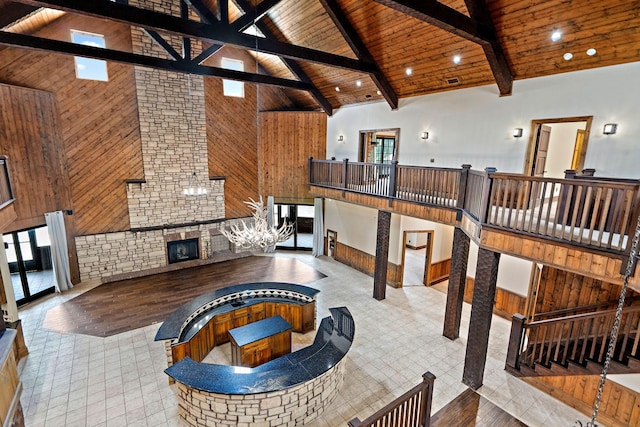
x: 588, y: 172
x: 355, y: 422
x: 345, y: 162
x: 462, y: 190
x: 515, y: 341
x: 392, y: 181
x: 382, y: 255
x: 310, y: 170
x: 486, y: 195
x: 484, y: 293
x: 427, y: 379
x: 457, y: 281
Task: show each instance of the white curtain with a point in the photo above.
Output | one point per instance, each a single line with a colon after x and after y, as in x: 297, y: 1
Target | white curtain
x: 59, y: 252
x: 270, y: 208
x: 318, y: 228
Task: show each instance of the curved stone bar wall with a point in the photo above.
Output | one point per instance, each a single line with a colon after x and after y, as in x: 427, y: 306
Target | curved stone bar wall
x: 287, y: 391
x: 290, y: 407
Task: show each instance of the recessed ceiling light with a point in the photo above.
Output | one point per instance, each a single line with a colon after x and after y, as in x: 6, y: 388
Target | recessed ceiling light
x: 567, y: 56
x: 409, y: 71
x: 378, y: 92
x: 591, y: 51
x: 556, y: 35
x: 337, y: 89
x: 457, y: 59
x: 358, y: 83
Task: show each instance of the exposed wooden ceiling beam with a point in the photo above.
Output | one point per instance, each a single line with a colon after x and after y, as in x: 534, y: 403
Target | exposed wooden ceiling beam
x: 182, y: 66
x: 360, y: 49
x: 202, y: 11
x: 160, y: 41
x: 479, y: 11
x: 11, y: 12
x: 478, y: 28
x: 219, y: 34
x: 293, y: 66
x: 246, y: 20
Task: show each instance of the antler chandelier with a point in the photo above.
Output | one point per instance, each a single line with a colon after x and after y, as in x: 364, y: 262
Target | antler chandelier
x: 259, y: 234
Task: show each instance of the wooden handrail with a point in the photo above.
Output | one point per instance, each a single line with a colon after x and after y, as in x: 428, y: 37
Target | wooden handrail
x: 575, y: 338
x: 412, y: 409
x: 590, y: 307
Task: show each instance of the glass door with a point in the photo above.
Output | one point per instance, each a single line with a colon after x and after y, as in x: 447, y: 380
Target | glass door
x: 301, y: 216
x: 29, y: 258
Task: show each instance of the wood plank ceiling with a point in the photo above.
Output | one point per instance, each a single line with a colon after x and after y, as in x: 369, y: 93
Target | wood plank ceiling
x: 395, y: 41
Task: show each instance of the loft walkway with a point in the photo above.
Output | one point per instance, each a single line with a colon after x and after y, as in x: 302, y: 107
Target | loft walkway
x: 580, y: 223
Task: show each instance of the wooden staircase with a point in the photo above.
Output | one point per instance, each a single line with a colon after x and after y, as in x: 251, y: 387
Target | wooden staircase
x: 574, y: 345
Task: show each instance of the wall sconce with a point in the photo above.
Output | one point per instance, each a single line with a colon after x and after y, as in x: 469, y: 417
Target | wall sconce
x: 424, y: 136
x: 610, y: 128
x: 517, y: 132
x: 341, y: 139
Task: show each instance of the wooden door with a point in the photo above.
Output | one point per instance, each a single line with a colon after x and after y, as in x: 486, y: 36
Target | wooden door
x: 255, y: 354
x: 221, y: 325
x: 240, y: 317
x: 256, y: 312
x: 542, y: 147
x: 579, y: 153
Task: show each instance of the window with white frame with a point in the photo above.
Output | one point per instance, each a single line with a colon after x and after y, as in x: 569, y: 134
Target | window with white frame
x: 232, y: 87
x: 89, y: 68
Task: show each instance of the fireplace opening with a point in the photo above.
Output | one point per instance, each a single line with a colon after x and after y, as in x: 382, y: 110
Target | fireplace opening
x: 183, y: 250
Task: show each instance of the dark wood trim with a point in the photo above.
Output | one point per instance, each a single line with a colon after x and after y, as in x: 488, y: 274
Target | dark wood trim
x: 292, y: 65
x: 382, y: 255
x: 135, y: 181
x: 203, y: 12
x: 478, y: 28
x: 354, y: 41
x: 13, y: 11
x: 164, y: 45
x: 39, y: 43
x: 172, y: 226
x: 221, y: 34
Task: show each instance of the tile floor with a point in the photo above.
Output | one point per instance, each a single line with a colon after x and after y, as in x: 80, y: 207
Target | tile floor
x: 77, y: 380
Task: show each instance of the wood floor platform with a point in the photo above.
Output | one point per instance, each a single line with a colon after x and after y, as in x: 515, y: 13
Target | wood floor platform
x: 117, y: 307
x: 470, y: 409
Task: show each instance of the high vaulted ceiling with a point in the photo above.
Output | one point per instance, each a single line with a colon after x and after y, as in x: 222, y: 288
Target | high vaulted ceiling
x: 373, y: 42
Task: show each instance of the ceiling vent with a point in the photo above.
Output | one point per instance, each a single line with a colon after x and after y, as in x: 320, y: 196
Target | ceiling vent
x: 452, y: 80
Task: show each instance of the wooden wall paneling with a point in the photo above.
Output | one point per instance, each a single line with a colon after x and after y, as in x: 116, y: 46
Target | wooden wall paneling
x: 620, y: 405
x: 98, y: 121
x: 439, y: 271
x: 30, y: 137
x: 559, y: 289
x: 287, y: 139
x: 232, y: 132
x: 365, y: 263
x: 506, y: 303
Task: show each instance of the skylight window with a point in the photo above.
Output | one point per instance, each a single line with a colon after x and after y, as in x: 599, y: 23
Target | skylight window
x: 89, y: 68
x: 231, y: 87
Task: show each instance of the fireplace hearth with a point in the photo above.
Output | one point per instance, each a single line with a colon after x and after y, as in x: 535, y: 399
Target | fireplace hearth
x: 183, y: 250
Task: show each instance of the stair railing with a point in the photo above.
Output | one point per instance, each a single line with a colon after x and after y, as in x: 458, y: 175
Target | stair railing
x: 576, y: 339
x: 412, y: 409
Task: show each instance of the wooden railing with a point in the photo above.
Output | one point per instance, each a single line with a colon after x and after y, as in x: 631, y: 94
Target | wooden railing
x: 6, y: 193
x: 412, y: 409
x: 576, y: 338
x: 594, y: 213
x: 586, y: 211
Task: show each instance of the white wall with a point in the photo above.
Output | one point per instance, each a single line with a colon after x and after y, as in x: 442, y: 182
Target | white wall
x: 561, y: 145
x: 475, y: 125
x: 513, y: 273
x: 443, y: 236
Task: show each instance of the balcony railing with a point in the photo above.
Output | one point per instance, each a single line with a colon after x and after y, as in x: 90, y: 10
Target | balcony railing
x: 597, y: 213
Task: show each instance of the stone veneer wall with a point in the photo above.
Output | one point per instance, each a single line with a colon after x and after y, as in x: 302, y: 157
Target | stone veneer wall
x: 172, y: 118
x: 294, y: 406
x: 110, y: 254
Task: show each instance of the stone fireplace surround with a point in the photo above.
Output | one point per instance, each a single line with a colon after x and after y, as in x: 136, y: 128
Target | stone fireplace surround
x: 123, y: 255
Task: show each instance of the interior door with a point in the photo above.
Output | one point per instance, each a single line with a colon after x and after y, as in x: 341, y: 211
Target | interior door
x: 579, y: 153
x: 544, y: 134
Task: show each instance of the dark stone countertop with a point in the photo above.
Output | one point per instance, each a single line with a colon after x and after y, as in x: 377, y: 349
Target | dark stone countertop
x: 170, y: 328
x: 332, y: 342
x: 6, y: 344
x: 255, y: 331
